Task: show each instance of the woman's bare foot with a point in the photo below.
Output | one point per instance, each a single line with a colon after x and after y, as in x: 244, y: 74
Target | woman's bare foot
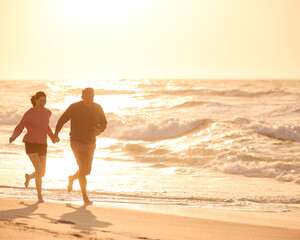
x: 27, y: 179
x: 40, y: 200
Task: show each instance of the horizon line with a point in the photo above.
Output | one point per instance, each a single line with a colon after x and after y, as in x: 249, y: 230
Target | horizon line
x: 95, y: 79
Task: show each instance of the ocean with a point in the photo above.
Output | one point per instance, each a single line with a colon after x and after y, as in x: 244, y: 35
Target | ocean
x: 220, y: 144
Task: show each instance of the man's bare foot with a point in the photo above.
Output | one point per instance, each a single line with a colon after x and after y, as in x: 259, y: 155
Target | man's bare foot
x: 70, y: 185
x: 88, y: 202
x: 27, y: 179
x: 40, y: 200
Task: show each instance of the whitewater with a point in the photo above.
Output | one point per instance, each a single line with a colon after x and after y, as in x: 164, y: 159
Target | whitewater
x: 199, y: 143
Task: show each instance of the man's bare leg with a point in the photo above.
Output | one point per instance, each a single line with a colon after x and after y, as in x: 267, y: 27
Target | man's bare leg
x: 71, y: 180
x: 84, y: 165
x: 27, y: 179
x: 82, y: 182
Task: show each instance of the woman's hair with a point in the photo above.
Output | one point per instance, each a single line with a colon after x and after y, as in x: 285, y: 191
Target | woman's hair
x: 36, y: 97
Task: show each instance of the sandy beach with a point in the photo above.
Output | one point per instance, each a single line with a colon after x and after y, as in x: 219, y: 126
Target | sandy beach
x: 180, y: 120
x: 25, y: 219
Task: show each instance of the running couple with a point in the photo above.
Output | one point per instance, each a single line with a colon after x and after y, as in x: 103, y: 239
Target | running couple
x: 87, y: 121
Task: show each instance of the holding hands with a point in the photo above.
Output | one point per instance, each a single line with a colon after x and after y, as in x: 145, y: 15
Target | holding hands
x: 55, y: 138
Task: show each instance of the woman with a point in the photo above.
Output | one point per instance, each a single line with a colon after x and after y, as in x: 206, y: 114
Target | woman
x: 36, y: 121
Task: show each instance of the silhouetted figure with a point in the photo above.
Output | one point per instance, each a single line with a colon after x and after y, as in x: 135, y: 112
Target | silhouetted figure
x: 36, y: 121
x: 87, y: 121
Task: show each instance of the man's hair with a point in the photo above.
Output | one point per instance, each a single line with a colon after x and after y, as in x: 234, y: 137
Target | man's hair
x: 88, y: 90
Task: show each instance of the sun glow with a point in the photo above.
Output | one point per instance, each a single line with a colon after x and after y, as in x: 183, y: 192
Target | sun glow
x: 97, y: 11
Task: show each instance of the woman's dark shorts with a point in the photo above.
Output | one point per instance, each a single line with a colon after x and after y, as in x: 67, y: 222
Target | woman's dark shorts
x: 40, y: 149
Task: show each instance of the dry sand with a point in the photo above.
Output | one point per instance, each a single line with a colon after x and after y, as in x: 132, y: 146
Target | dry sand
x: 24, y: 219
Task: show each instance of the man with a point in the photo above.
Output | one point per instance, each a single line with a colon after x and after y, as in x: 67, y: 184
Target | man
x: 87, y: 122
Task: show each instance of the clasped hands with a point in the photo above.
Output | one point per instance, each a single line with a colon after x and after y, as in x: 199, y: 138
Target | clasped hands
x: 96, y: 132
x: 55, y: 138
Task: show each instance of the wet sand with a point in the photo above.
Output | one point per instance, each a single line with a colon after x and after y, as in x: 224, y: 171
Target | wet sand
x: 25, y: 219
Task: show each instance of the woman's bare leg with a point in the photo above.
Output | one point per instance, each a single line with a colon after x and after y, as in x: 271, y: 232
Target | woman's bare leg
x: 43, y: 162
x: 28, y: 177
x: 39, y: 172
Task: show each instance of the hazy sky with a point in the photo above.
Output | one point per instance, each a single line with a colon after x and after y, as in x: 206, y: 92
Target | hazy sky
x: 91, y: 39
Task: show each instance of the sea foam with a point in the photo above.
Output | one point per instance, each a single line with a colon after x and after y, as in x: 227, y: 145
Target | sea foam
x: 270, y: 129
x: 141, y: 129
x: 241, y: 164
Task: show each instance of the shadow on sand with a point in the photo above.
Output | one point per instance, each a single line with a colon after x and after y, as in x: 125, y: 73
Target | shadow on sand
x: 80, y: 219
x: 9, y: 215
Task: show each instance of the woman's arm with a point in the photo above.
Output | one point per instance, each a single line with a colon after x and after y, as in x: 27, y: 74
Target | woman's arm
x: 19, y: 128
x: 51, y: 135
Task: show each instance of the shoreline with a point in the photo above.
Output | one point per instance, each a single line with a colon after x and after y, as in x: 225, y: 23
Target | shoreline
x: 23, y: 218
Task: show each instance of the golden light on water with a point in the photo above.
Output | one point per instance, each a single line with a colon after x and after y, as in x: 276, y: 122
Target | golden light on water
x: 113, y: 95
x: 74, y: 44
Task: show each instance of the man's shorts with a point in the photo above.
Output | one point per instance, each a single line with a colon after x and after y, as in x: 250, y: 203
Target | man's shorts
x: 84, y: 154
x: 40, y: 149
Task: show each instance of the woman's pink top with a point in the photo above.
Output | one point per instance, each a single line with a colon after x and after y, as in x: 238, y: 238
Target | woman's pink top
x: 37, y: 125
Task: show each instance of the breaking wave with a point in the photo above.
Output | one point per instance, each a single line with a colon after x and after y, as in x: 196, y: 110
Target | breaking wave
x: 283, y: 132
x: 286, y: 171
x: 143, y: 130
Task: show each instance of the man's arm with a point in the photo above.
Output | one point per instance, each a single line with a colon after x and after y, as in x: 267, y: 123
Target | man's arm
x: 102, y: 123
x: 65, y: 117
